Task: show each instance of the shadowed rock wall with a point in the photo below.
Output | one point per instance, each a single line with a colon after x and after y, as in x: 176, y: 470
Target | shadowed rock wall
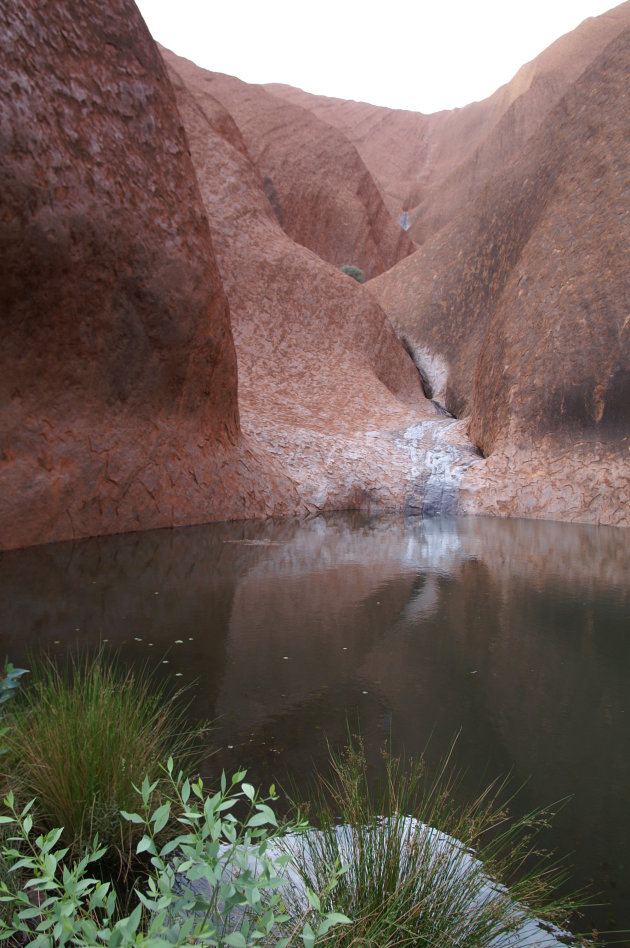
x: 118, y: 386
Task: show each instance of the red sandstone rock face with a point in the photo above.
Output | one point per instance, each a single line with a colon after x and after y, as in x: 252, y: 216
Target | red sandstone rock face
x: 118, y: 389
x: 518, y: 312
x: 118, y: 384
x: 434, y: 165
x: 323, y: 195
x: 324, y: 385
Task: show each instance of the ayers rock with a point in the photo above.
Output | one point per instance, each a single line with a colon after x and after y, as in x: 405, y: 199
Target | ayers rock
x: 518, y: 310
x: 325, y: 387
x: 180, y: 345
x: 118, y: 377
x: 318, y: 186
x: 121, y: 401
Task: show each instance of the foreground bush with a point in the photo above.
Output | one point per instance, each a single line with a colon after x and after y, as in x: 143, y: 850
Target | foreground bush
x: 80, y: 739
x: 407, y: 866
x: 220, y: 881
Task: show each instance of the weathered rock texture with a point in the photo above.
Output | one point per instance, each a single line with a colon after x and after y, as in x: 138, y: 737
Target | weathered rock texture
x: 433, y: 165
x: 324, y: 385
x: 118, y: 391
x: 118, y: 387
x: 517, y: 311
x: 318, y: 186
x: 123, y: 318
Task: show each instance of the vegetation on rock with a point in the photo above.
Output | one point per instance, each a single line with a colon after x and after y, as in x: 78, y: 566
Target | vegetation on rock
x: 355, y: 272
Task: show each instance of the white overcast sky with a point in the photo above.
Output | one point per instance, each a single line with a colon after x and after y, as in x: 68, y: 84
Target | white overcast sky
x: 422, y: 55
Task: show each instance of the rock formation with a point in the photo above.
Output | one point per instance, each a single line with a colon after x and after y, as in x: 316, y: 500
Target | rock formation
x: 118, y: 387
x: 324, y: 385
x: 433, y: 165
x: 517, y: 311
x: 160, y: 224
x: 323, y: 195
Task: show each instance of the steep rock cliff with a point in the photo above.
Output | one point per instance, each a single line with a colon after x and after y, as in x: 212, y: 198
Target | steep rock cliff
x: 517, y: 312
x: 118, y: 385
x: 323, y: 195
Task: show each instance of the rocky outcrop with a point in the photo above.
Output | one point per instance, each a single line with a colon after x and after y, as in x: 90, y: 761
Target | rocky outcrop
x: 320, y: 190
x: 160, y: 225
x: 324, y: 385
x: 517, y: 312
x: 118, y: 391
x: 118, y: 384
x: 432, y: 166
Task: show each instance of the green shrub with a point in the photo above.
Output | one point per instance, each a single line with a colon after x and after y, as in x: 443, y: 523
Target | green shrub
x: 423, y: 871
x: 355, y: 272
x: 218, y: 882
x: 78, y: 741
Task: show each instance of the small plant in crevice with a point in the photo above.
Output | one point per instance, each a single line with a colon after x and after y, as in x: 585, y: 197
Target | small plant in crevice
x: 355, y: 272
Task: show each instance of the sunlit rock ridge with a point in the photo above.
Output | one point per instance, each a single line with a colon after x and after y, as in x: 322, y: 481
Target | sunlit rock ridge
x: 180, y: 345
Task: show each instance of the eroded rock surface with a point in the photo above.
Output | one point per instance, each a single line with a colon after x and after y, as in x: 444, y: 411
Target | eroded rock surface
x: 325, y: 388
x: 123, y: 319
x: 321, y: 192
x: 118, y: 386
x: 517, y: 312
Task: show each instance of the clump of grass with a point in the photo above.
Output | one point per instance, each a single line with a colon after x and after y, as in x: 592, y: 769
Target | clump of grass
x: 80, y: 737
x: 422, y: 870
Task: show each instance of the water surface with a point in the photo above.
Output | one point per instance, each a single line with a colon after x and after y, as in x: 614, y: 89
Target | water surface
x: 514, y: 634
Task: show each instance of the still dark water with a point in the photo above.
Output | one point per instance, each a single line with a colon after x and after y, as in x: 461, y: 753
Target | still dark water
x: 514, y: 633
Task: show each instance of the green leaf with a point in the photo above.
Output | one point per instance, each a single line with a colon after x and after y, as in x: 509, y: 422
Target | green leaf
x: 236, y: 940
x: 131, y: 817
x: 146, y: 845
x: 248, y: 790
x: 308, y: 936
x: 160, y: 817
x: 169, y: 847
x: 264, y: 817
x: 332, y: 919
x: 313, y: 900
